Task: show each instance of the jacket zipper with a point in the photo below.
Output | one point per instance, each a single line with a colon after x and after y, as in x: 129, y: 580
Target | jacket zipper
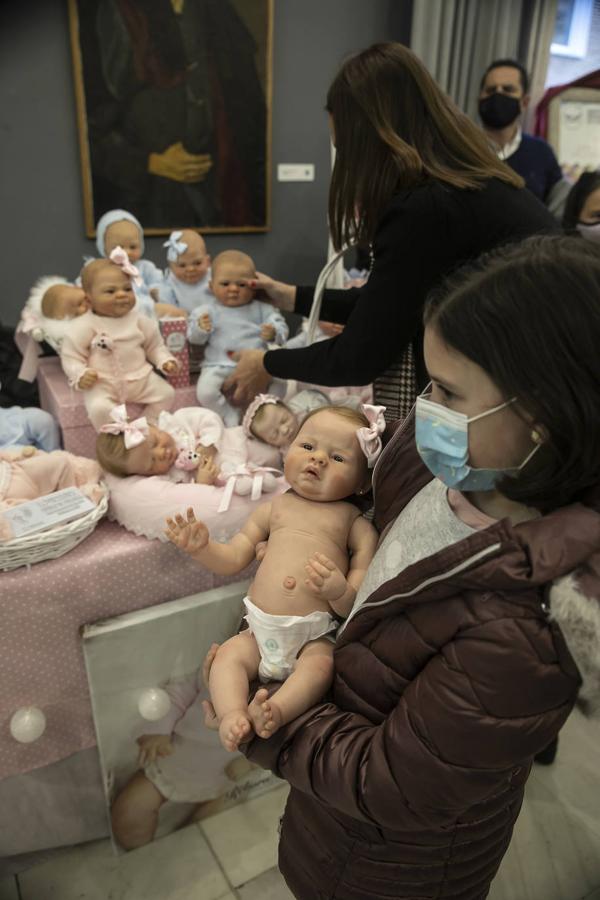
x: 428, y: 581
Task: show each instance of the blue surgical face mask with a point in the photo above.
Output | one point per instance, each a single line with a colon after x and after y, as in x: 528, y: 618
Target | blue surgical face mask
x: 442, y: 437
x: 591, y: 232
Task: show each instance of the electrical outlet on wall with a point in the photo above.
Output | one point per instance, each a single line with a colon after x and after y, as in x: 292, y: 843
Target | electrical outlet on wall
x: 295, y: 172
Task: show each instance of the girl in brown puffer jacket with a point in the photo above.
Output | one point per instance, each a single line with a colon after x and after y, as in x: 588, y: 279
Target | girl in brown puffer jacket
x: 478, y: 621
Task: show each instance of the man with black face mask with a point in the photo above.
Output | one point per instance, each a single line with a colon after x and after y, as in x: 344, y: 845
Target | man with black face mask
x: 503, y: 98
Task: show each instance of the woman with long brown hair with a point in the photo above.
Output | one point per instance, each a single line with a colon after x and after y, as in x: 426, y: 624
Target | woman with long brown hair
x: 415, y: 180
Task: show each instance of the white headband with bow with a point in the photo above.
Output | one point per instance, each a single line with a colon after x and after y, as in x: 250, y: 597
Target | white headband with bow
x: 175, y: 246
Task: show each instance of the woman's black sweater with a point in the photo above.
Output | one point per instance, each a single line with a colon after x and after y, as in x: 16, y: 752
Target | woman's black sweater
x: 426, y: 233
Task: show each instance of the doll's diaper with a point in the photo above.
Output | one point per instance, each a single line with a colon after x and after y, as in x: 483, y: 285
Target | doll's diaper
x: 280, y: 638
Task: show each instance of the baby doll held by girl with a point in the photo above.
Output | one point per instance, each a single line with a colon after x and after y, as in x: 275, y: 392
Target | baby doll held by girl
x: 186, y: 282
x: 317, y: 552
x: 109, y: 351
x: 232, y: 322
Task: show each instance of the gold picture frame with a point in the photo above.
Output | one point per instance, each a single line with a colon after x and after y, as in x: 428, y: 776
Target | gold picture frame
x: 175, y: 126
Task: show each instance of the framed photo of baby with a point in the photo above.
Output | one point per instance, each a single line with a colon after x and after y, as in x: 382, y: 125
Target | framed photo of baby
x: 174, y: 111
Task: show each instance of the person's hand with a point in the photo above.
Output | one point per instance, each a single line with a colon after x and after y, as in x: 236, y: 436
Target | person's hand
x: 280, y: 294
x: 205, y: 323
x: 177, y: 164
x: 331, y: 329
x: 190, y: 536
x: 324, y: 578
x: 248, y: 379
x: 168, y: 309
x: 170, y: 367
x: 152, y: 746
x: 207, y: 663
x: 87, y: 380
x: 260, y: 550
x: 267, y: 332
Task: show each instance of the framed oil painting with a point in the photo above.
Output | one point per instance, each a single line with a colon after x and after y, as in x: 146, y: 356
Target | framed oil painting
x: 174, y: 111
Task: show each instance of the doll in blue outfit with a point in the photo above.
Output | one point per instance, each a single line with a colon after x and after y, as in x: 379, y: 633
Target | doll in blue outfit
x: 119, y: 228
x: 28, y: 427
x: 233, y: 321
x: 186, y: 281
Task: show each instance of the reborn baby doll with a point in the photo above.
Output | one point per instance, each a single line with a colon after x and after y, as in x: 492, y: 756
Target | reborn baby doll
x: 318, y: 550
x: 191, y: 444
x: 109, y: 351
x: 235, y: 321
x: 186, y: 282
x: 27, y: 473
x: 119, y: 228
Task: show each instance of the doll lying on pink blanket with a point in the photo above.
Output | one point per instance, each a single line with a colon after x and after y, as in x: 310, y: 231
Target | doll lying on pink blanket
x: 189, y: 459
x: 28, y: 473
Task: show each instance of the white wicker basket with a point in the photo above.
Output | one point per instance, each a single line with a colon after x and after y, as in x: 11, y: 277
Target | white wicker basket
x: 54, y: 542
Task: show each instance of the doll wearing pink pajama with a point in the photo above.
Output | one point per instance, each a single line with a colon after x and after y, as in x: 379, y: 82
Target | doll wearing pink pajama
x: 110, y: 350
x: 29, y: 474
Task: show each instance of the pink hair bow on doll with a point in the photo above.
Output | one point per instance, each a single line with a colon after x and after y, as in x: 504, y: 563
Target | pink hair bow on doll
x: 369, y: 438
x: 120, y: 258
x: 134, y: 433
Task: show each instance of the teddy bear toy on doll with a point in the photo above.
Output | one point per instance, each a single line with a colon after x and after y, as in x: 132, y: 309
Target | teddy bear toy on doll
x: 188, y: 460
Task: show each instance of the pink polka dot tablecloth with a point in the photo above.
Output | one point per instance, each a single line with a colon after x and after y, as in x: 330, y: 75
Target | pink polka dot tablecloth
x: 41, y: 613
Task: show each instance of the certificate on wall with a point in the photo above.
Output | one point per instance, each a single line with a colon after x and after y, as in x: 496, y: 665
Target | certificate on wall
x: 574, y: 128
x: 579, y: 140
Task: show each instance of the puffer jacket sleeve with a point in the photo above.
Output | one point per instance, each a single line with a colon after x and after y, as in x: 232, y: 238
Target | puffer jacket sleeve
x: 476, y: 713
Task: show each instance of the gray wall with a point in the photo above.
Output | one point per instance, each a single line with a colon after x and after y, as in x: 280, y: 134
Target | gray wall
x: 40, y: 193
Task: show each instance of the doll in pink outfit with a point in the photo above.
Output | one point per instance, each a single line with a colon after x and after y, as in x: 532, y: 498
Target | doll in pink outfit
x: 110, y: 350
x: 26, y: 474
x: 191, y: 444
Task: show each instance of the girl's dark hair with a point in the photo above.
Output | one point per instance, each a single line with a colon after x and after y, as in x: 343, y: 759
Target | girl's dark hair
x: 586, y: 184
x: 394, y: 128
x: 529, y: 315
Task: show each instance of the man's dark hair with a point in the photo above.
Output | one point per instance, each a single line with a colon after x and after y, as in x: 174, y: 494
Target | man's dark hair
x: 508, y: 63
x: 529, y: 316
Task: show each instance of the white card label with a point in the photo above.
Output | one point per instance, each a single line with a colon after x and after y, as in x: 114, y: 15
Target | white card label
x: 46, y: 512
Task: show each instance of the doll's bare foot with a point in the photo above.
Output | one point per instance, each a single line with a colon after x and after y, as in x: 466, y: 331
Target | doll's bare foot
x: 234, y: 728
x: 264, y: 713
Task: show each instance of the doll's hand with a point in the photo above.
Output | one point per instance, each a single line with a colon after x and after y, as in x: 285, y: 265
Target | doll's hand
x: 191, y: 536
x: 152, y: 746
x: 267, y: 332
x: 170, y: 367
x: 207, y: 471
x: 205, y: 323
x: 87, y: 380
x: 324, y: 578
x: 167, y: 309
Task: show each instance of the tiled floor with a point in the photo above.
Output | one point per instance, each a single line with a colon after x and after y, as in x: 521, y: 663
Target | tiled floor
x: 555, y: 853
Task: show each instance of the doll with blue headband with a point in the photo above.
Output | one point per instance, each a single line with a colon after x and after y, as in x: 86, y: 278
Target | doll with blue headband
x: 186, y: 283
x: 119, y: 228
